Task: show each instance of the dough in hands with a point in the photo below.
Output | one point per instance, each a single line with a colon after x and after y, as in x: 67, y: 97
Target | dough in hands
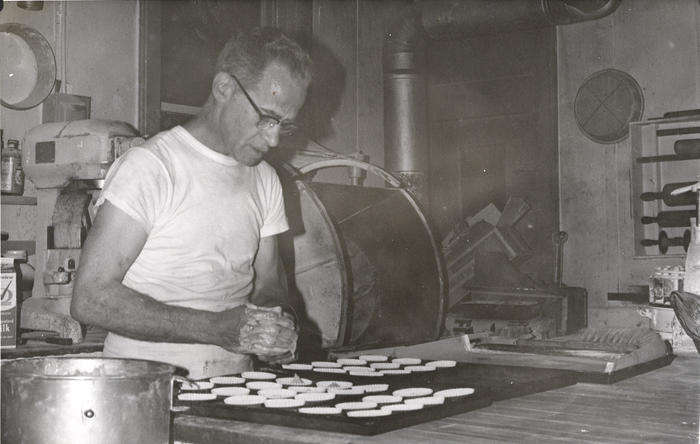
x: 260, y: 333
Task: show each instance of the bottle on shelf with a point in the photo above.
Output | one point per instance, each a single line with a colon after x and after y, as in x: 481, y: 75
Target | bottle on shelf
x: 12, y: 174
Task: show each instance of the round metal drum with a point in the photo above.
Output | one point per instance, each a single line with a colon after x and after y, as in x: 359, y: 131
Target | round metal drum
x: 367, y: 269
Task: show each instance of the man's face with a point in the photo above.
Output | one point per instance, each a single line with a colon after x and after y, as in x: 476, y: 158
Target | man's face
x: 277, y: 94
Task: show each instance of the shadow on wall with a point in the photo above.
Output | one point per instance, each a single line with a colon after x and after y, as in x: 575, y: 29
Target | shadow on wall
x: 322, y: 102
x: 325, y: 95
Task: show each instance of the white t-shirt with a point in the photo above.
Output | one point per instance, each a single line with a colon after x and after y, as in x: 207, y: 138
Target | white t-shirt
x: 204, y: 214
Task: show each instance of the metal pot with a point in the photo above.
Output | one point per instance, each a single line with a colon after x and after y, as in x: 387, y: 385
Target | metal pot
x: 86, y: 400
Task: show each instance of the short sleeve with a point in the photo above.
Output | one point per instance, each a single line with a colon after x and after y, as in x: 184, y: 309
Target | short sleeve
x: 275, y: 220
x: 138, y: 184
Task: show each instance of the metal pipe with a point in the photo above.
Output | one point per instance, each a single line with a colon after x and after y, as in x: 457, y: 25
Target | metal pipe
x: 405, y: 85
x: 405, y: 106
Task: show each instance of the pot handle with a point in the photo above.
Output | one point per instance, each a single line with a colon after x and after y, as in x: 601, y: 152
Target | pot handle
x: 182, y: 380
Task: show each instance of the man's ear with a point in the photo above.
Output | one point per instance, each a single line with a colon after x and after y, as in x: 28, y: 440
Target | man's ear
x: 222, y: 87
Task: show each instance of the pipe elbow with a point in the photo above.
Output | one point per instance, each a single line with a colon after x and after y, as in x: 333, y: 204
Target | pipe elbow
x: 406, y: 36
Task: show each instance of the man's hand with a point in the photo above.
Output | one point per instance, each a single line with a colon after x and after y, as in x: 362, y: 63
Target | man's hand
x: 266, y: 332
x: 288, y: 356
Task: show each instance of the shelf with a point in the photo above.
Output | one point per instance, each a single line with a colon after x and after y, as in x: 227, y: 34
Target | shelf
x: 28, y: 245
x: 18, y: 200
x: 680, y: 256
x: 666, y: 158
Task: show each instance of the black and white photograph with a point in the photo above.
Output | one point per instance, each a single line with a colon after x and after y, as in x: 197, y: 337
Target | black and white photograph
x: 350, y: 221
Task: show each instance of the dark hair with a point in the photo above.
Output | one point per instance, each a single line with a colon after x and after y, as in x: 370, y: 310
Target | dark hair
x: 248, y: 53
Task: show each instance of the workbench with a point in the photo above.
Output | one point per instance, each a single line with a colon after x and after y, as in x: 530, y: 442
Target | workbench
x: 660, y: 406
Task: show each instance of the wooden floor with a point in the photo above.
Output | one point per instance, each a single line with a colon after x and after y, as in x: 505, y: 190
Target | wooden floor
x: 662, y: 406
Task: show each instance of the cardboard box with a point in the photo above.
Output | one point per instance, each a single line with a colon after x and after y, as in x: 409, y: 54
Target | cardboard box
x: 666, y: 324
x: 8, y: 303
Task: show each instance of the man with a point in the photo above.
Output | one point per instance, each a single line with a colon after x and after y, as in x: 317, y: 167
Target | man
x: 181, y: 264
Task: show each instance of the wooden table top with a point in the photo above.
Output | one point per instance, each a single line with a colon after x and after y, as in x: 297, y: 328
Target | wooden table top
x: 660, y: 406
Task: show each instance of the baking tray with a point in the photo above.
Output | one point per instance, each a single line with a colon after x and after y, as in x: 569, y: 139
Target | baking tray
x: 489, y: 383
x: 335, y: 423
x: 504, y: 381
x: 600, y: 374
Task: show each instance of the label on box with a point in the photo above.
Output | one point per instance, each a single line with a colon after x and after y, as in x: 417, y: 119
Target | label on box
x: 8, y: 304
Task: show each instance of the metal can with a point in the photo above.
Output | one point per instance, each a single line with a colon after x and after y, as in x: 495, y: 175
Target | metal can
x: 12, y: 174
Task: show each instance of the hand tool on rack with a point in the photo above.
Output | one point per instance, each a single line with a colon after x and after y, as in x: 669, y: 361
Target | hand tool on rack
x: 678, y: 218
x: 668, y: 198
x: 664, y: 241
x: 687, y: 147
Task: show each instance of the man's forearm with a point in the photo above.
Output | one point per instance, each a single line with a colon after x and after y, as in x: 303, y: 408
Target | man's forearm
x: 128, y: 313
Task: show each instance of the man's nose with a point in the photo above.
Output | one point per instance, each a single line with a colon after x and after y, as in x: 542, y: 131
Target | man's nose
x: 272, y: 136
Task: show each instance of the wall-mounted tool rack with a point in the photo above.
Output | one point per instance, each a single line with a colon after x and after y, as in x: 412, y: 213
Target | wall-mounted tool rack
x: 666, y: 155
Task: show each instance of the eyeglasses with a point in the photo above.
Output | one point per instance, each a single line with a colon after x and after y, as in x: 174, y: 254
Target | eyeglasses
x: 266, y: 121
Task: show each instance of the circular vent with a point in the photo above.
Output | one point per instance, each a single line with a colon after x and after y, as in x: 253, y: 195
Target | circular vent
x: 606, y: 103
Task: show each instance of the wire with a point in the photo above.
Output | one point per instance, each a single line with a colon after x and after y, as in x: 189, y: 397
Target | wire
x: 333, y: 153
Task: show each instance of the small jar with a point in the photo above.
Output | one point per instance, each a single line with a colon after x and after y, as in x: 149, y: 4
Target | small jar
x: 12, y: 177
